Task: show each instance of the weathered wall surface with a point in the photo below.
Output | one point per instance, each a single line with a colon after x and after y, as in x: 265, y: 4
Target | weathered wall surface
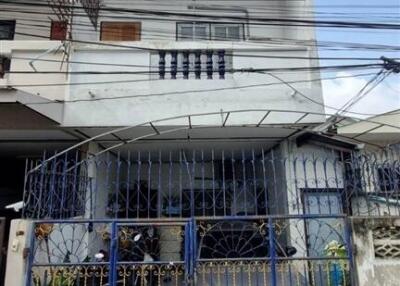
x: 373, y: 270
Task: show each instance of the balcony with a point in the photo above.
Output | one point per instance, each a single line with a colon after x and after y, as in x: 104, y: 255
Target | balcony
x: 196, y: 64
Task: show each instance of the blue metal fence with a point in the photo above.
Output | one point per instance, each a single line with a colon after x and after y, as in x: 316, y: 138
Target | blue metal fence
x: 206, y: 218
x: 212, y: 184
x: 269, y: 250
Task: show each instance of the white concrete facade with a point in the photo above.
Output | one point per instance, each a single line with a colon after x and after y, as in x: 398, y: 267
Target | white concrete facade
x: 264, y: 45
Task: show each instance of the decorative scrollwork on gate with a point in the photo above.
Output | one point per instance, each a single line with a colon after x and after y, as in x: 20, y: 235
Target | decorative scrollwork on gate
x: 232, y: 239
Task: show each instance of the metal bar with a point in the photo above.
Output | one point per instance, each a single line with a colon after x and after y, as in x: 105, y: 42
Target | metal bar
x: 180, y: 183
x: 271, y: 237
x: 114, y: 254
x: 192, y: 255
x: 301, y: 117
x: 159, y: 189
x: 74, y: 187
x: 138, y: 187
x: 223, y: 182
x: 367, y: 131
x: 262, y: 119
x: 41, y: 209
x: 149, y: 206
x: 213, y: 181
x: 128, y: 185
x: 169, y: 198
x: 235, y: 207
x: 211, y: 218
x: 26, y: 193
x: 63, y: 203
x: 154, y: 128
x: 244, y: 183
x: 254, y: 183
x: 275, y: 187
x: 187, y: 252
x: 192, y: 186
x: 265, y: 183
x: 226, y: 119
x: 52, y: 187
x: 117, y: 185
x: 190, y: 122
x: 204, y: 206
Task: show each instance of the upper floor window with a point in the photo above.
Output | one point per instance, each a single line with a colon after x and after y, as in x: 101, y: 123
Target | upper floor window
x: 227, y: 32
x: 58, y: 30
x: 210, y: 31
x: 7, y: 30
x: 193, y: 31
x: 120, y: 31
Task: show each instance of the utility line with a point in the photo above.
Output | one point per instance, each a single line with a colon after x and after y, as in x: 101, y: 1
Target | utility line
x: 258, y: 20
x: 167, y: 35
x: 375, y: 81
x: 150, y: 80
x: 233, y: 70
x: 107, y: 44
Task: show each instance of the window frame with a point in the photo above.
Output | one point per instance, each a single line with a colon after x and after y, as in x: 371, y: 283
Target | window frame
x: 210, y: 35
x: 226, y: 26
x: 193, y: 24
x: 55, y: 22
x: 139, y: 34
x: 12, y: 23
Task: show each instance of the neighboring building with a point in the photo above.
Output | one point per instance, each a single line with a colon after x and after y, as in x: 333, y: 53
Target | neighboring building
x: 376, y: 238
x: 217, y: 178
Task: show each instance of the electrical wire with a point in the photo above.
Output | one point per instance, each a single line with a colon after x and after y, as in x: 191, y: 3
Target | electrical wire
x: 257, y: 20
x: 375, y: 81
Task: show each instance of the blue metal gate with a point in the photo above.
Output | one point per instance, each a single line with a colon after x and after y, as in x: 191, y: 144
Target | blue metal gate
x: 228, y: 251
x: 208, y: 218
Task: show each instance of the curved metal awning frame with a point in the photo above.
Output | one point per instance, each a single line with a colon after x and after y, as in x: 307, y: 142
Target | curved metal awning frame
x: 297, y: 126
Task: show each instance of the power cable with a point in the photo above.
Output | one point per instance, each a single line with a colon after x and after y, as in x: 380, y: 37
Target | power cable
x: 258, y: 20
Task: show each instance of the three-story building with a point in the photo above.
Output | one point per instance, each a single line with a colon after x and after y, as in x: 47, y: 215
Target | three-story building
x: 173, y: 144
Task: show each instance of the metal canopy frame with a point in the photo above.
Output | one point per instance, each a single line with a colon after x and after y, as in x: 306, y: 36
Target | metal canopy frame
x: 297, y: 126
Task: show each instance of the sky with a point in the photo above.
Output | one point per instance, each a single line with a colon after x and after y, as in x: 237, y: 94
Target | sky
x: 386, y: 96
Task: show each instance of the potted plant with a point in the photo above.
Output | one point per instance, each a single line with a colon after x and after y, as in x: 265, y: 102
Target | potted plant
x: 338, y: 275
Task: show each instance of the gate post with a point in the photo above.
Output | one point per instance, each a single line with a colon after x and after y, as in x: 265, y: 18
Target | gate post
x: 31, y: 254
x: 272, y: 253
x: 113, y: 257
x: 194, y: 251
x: 190, y: 252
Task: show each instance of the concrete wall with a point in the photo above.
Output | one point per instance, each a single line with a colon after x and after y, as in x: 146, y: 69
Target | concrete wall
x: 166, y: 98
x: 371, y: 270
x: 158, y: 27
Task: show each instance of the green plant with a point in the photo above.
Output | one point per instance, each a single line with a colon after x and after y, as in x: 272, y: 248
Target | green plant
x: 338, y: 273
x: 335, y: 249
